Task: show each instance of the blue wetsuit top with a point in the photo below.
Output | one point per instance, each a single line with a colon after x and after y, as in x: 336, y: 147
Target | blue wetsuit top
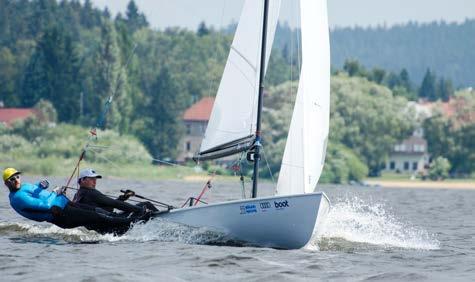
x: 34, y: 202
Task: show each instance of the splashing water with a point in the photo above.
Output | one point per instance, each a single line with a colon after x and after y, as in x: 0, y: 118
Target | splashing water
x: 351, y: 224
x: 166, y: 231
x: 154, y: 230
x: 76, y: 235
x: 353, y: 220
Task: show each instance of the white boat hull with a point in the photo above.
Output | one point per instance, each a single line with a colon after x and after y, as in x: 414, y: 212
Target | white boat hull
x: 284, y: 222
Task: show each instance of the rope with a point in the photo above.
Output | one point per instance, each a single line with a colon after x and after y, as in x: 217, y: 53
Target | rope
x: 106, y: 159
x: 241, y: 177
x: 169, y: 163
x: 268, y: 167
x: 76, y: 168
x: 206, y: 187
x: 100, y: 120
x: 117, y: 149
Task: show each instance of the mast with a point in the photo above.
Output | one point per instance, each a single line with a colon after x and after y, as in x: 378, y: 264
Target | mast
x: 258, y: 144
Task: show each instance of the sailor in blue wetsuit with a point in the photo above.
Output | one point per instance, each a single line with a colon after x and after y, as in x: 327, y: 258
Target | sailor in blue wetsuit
x: 34, y: 202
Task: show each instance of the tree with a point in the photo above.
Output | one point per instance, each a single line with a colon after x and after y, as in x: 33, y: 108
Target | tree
x: 202, y: 29
x: 353, y: 68
x: 445, y: 89
x: 134, y: 19
x: 8, y: 77
x: 463, y: 157
x: 161, y: 127
x: 439, y: 135
x: 378, y: 75
x: 367, y: 119
x: 52, y: 74
x: 439, y: 169
x: 46, y: 112
x: 453, y: 137
x: 111, y: 81
x: 404, y: 80
x: 87, y: 17
x: 342, y: 165
x: 428, y: 88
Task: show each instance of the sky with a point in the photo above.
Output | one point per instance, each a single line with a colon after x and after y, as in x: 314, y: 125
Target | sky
x: 342, y: 13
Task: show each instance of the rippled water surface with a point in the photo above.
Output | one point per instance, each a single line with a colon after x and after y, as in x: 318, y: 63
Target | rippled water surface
x: 370, y: 234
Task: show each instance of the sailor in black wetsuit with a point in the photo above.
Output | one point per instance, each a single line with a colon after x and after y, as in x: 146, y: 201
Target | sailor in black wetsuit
x: 89, y: 195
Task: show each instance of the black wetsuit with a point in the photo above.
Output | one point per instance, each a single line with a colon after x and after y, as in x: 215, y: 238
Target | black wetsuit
x: 35, y: 202
x: 93, y: 197
x: 74, y: 215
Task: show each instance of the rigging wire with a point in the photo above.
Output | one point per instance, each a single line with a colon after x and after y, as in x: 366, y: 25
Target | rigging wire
x: 117, y: 149
x: 268, y: 167
x: 100, y: 120
x: 241, y: 177
x: 104, y: 158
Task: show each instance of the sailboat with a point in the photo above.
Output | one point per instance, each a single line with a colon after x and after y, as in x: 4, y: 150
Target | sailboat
x: 288, y: 219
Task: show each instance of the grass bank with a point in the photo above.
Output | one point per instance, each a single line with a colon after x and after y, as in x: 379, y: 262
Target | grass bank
x: 398, y: 180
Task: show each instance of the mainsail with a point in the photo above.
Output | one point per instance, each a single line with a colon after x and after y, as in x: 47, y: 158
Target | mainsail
x: 305, y: 149
x: 232, y: 123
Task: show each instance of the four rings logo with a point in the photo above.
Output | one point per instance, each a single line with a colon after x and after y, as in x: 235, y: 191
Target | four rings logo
x: 281, y: 205
x: 265, y: 205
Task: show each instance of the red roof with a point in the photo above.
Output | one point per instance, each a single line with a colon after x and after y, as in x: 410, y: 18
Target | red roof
x: 452, y: 109
x: 9, y: 115
x: 199, y: 111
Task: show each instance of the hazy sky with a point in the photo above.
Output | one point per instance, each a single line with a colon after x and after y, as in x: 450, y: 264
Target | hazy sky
x: 188, y: 13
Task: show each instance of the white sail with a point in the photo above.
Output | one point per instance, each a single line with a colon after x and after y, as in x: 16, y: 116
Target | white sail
x: 305, y: 150
x: 234, y: 112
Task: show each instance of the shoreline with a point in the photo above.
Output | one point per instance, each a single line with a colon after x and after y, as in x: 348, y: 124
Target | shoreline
x: 396, y: 184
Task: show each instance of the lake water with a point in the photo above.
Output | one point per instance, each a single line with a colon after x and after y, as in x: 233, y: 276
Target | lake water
x: 371, y: 234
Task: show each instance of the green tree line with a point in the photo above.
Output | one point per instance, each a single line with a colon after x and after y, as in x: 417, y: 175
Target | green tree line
x: 446, y: 48
x: 431, y: 88
x: 76, y: 57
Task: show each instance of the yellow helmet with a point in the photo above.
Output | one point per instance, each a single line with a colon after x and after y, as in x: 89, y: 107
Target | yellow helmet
x: 7, y: 173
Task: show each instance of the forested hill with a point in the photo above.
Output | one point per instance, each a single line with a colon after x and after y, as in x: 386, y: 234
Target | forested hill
x: 447, y: 49
x: 67, y: 59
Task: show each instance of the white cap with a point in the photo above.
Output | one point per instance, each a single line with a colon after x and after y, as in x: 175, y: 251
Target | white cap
x: 88, y: 172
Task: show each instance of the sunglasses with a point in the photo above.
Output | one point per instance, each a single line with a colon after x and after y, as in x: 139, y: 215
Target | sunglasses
x: 14, y: 178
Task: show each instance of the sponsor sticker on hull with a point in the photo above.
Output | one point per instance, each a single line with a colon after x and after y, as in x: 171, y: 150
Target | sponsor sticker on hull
x: 247, y: 209
x: 265, y: 206
x: 280, y: 205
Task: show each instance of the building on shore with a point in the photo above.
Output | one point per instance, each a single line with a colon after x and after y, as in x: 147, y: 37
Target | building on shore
x: 10, y: 115
x: 410, y: 156
x: 195, y: 119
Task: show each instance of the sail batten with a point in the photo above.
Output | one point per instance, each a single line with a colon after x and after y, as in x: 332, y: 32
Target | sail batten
x: 225, y: 150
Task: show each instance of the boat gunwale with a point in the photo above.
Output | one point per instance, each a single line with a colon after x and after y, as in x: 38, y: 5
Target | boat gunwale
x: 251, y: 200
